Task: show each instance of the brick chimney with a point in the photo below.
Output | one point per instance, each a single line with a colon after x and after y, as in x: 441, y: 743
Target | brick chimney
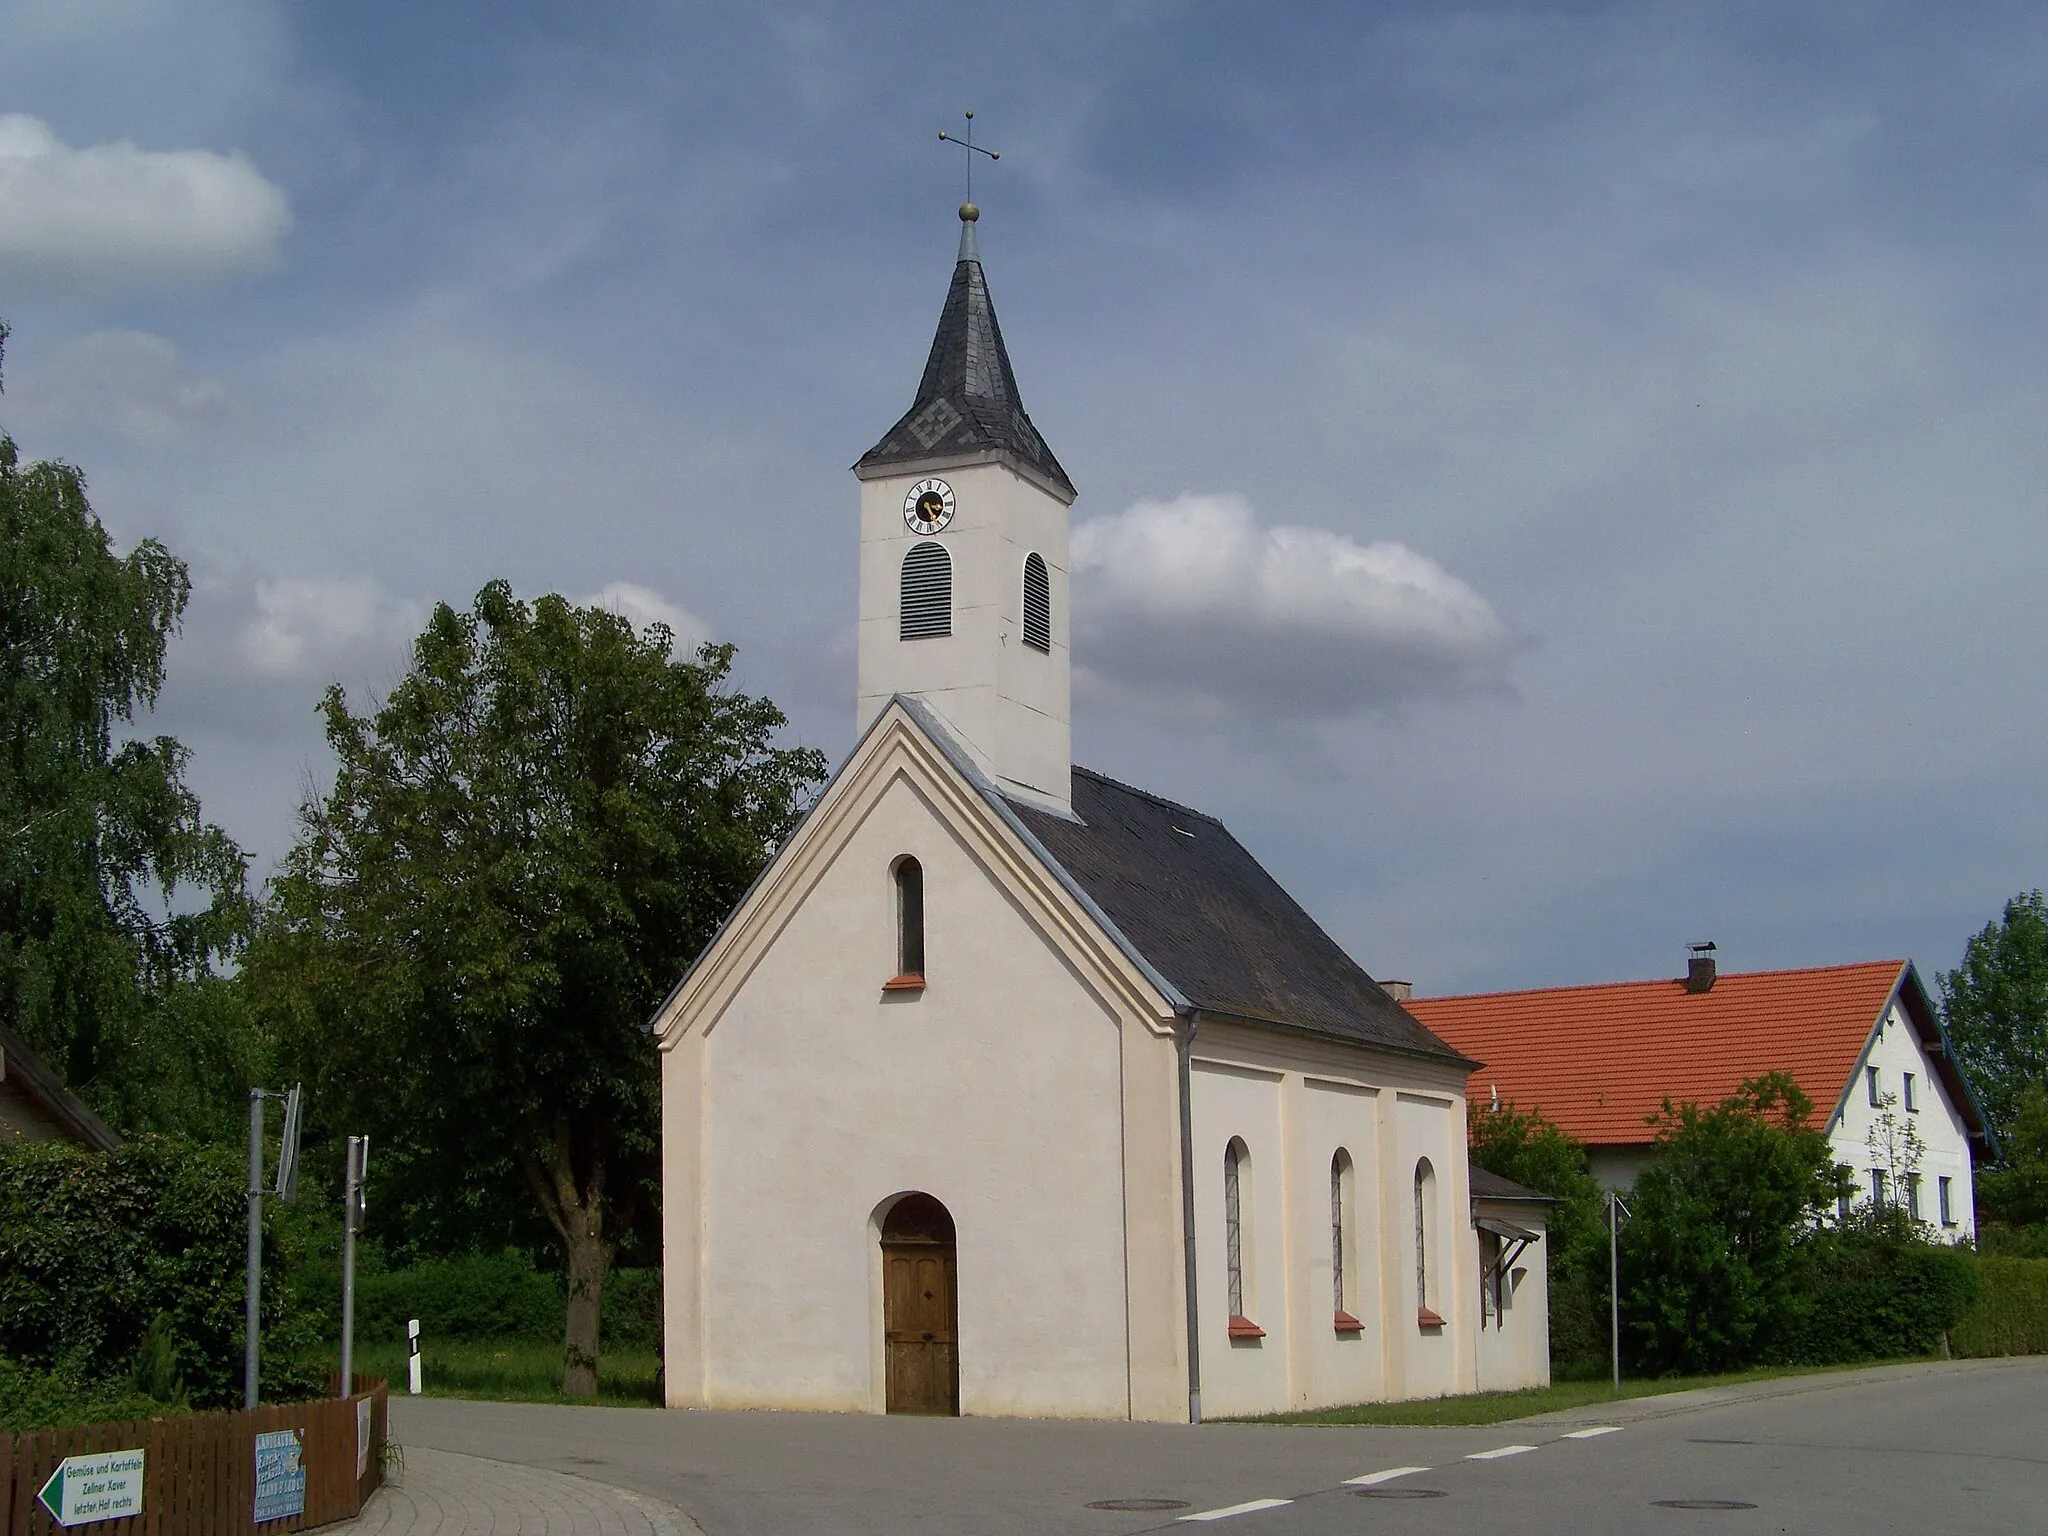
x: 1699, y: 967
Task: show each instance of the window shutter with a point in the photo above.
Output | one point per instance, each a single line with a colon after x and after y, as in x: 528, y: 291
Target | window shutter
x: 1037, y: 604
x: 927, y: 592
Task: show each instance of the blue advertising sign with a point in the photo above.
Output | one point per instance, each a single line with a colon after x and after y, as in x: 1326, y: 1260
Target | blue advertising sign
x: 280, y: 1475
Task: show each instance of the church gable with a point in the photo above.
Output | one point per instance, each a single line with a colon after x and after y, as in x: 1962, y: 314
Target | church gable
x: 905, y: 747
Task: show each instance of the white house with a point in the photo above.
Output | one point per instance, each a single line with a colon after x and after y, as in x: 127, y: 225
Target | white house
x: 1010, y: 1089
x: 1864, y: 1042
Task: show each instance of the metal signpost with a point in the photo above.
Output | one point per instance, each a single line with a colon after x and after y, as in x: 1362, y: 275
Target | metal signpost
x: 353, y: 1205
x: 1617, y: 1217
x: 86, y: 1489
x: 287, y: 1189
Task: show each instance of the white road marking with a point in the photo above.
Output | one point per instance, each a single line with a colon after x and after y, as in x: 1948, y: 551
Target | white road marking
x: 1238, y: 1509
x: 1499, y: 1451
x: 1598, y: 1429
x: 1381, y: 1477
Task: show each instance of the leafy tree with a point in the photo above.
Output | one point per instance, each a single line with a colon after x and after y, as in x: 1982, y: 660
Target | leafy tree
x: 2016, y: 1195
x: 523, y: 847
x: 1525, y: 1146
x: 1996, y: 1007
x: 1709, y: 1260
x: 117, y: 900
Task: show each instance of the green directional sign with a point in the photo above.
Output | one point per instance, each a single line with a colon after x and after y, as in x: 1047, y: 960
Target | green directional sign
x: 85, y: 1489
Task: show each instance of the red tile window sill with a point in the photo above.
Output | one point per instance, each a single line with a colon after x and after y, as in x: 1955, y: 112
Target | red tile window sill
x: 904, y: 983
x: 1245, y: 1328
x: 1346, y: 1323
x: 1425, y: 1318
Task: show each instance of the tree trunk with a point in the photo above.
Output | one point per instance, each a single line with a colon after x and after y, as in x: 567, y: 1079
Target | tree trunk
x: 588, y: 1256
x: 576, y: 1212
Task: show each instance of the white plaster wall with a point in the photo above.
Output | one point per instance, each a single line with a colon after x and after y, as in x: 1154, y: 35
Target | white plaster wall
x: 1616, y: 1167
x: 1011, y: 704
x: 822, y: 1097
x: 1895, y: 1049
x: 1294, y: 1101
x: 1514, y: 1346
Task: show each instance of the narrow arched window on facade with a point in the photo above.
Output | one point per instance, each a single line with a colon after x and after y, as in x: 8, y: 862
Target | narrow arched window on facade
x: 1037, y: 604
x: 1343, y: 1223
x: 1234, y: 1213
x: 927, y: 606
x: 909, y: 920
x: 1425, y: 1220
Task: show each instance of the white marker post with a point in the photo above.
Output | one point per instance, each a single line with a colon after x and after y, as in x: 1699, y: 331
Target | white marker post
x: 412, y: 1335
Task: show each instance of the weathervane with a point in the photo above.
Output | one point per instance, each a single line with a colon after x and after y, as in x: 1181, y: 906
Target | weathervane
x: 972, y: 149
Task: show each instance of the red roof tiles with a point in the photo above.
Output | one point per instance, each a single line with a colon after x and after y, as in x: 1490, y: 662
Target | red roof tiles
x: 1600, y: 1060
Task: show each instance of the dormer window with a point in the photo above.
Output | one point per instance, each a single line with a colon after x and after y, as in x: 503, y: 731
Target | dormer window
x: 927, y: 605
x: 909, y: 879
x: 1037, y: 603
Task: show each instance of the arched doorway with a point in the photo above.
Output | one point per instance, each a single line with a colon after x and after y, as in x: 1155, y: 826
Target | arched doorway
x: 920, y: 1307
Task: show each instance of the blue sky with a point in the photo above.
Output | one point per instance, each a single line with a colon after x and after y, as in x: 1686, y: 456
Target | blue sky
x: 1628, y: 420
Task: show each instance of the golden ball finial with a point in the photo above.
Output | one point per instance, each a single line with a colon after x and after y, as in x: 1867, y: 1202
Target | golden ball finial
x: 969, y: 213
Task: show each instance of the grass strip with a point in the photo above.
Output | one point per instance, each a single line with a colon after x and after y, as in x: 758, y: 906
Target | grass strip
x: 515, y: 1371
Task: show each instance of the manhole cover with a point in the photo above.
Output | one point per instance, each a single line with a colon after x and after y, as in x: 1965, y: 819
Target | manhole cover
x: 1138, y: 1506
x: 1701, y: 1504
x: 1399, y: 1493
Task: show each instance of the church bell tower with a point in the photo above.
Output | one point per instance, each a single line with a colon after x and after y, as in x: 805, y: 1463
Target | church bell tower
x: 963, y: 554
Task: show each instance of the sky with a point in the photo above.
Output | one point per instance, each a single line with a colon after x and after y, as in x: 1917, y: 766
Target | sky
x: 1560, y: 481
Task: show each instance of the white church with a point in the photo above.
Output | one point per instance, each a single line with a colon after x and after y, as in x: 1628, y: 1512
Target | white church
x: 1010, y: 1089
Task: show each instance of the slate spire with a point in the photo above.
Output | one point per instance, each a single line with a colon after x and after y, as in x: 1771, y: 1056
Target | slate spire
x: 967, y: 402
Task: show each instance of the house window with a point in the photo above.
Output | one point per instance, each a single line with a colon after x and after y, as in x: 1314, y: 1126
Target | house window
x: 1877, y: 1186
x: 927, y: 609
x: 1913, y: 1195
x: 1236, y: 1238
x: 1425, y: 1220
x: 909, y: 920
x: 1870, y: 1082
x: 1941, y: 1194
x: 1843, y: 1201
x: 1912, y: 1098
x: 1342, y: 1271
x: 1037, y: 604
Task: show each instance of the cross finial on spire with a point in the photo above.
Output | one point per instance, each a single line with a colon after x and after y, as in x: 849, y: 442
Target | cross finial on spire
x: 968, y: 212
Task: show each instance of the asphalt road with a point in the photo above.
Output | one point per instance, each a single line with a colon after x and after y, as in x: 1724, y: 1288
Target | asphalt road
x: 1960, y: 1447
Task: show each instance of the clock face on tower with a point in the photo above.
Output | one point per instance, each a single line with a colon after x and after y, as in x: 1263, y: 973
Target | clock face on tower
x: 928, y: 506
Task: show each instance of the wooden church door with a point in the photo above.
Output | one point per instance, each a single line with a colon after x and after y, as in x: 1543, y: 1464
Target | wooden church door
x: 920, y: 1308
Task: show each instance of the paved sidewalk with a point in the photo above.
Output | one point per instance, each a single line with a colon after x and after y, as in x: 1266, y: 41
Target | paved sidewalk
x: 443, y: 1494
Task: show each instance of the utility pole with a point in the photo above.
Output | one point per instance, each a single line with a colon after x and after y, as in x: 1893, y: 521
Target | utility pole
x: 1616, y: 1214
x: 354, y: 1203
x: 253, y: 1305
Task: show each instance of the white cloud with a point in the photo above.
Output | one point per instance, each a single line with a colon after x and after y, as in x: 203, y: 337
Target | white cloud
x: 116, y: 215
x: 303, y: 624
x: 641, y: 606
x: 1193, y: 603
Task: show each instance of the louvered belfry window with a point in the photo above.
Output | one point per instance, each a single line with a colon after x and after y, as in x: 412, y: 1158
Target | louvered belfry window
x: 927, y: 592
x: 1037, y: 604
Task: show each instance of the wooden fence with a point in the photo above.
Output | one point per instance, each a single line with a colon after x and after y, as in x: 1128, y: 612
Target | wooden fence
x: 199, y: 1474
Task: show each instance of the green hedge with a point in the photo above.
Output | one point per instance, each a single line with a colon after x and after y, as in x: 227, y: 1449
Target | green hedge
x: 108, y: 1258
x: 1874, y: 1291
x: 33, y: 1399
x: 500, y: 1296
x: 2010, y: 1316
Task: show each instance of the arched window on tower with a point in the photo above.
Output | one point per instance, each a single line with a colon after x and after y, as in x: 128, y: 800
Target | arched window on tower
x: 1037, y: 603
x: 927, y: 608
x: 909, y: 876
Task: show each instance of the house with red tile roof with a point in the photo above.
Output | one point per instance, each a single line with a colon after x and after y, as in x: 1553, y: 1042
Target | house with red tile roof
x: 1864, y: 1042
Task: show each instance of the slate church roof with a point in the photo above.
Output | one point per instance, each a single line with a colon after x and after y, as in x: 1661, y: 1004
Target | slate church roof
x: 1205, y: 914
x: 967, y: 401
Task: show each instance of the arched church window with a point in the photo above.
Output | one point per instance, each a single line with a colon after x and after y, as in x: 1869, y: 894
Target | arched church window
x: 927, y: 609
x: 1237, y: 1240
x: 1343, y: 1270
x: 1425, y: 1222
x: 1037, y: 604
x: 909, y: 920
